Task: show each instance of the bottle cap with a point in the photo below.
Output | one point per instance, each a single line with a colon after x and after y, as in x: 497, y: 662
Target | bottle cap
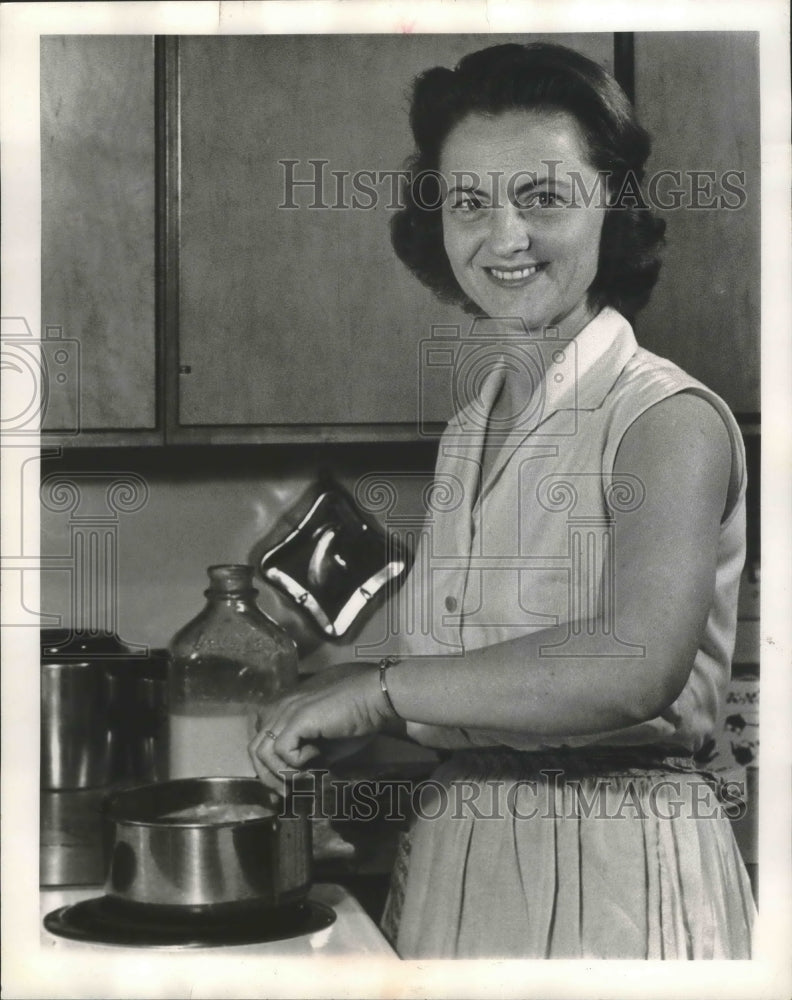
x: 230, y: 579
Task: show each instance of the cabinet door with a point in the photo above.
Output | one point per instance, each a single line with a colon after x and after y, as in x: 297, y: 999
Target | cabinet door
x: 698, y: 95
x: 305, y: 316
x: 98, y: 223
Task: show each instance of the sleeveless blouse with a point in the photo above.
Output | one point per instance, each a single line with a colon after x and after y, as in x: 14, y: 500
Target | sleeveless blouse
x: 532, y: 546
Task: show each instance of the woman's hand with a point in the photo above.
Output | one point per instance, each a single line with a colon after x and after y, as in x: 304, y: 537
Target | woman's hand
x: 352, y: 704
x: 326, y: 677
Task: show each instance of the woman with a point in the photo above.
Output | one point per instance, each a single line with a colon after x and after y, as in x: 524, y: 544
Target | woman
x: 582, y: 578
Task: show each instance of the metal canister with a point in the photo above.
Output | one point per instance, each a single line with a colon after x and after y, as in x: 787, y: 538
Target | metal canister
x: 103, y: 725
x: 137, y: 717
x: 75, y: 738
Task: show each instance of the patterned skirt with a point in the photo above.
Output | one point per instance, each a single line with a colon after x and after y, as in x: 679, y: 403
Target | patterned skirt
x: 593, y: 853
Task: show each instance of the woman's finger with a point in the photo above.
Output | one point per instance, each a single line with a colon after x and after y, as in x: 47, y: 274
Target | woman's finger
x: 265, y: 776
x: 296, y: 729
x: 269, y: 766
x: 306, y: 753
x: 287, y: 748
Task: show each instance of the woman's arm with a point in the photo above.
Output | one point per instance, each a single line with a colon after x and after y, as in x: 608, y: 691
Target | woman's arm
x: 663, y: 573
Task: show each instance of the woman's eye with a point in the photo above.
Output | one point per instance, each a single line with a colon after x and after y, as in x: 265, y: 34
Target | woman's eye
x: 467, y: 203
x: 540, y: 199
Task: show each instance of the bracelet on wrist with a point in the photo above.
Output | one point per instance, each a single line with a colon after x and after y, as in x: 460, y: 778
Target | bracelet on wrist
x: 384, y: 663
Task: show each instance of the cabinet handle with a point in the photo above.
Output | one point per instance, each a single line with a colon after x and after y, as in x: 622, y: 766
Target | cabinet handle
x: 185, y: 369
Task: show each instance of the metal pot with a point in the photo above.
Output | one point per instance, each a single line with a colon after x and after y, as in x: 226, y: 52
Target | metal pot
x: 169, y: 845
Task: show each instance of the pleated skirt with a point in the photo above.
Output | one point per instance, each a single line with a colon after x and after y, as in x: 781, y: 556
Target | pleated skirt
x: 580, y: 854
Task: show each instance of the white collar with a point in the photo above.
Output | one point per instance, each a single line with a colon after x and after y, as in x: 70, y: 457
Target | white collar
x: 574, y: 375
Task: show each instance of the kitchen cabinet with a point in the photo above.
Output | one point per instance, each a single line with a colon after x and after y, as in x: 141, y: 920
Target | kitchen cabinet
x: 304, y: 315
x: 698, y: 95
x: 98, y: 230
x: 224, y: 317
x: 209, y: 311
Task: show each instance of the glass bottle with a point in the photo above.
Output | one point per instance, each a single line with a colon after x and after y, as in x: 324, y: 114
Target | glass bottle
x: 224, y: 664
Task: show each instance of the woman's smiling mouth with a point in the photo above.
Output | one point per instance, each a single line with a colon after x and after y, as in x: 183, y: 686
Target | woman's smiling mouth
x: 513, y: 275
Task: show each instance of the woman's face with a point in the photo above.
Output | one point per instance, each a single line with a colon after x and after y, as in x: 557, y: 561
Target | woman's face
x: 516, y: 244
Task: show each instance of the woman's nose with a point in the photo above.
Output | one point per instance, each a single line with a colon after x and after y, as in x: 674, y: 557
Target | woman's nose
x: 509, y: 231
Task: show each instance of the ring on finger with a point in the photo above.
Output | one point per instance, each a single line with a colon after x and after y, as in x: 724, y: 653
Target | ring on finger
x: 270, y: 735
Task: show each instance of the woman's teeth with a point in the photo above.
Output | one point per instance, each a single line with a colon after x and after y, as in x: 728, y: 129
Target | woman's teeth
x: 524, y: 272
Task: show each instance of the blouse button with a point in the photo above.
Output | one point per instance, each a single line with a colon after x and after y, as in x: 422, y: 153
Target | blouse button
x: 451, y: 603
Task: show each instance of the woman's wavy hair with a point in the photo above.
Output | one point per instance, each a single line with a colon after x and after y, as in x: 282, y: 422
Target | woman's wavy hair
x: 544, y: 77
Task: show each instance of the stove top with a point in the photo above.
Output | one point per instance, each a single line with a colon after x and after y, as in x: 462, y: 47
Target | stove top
x: 103, y: 920
x: 350, y: 932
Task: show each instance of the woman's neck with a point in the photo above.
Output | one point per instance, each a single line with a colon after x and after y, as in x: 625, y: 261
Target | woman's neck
x: 568, y: 325
x: 519, y: 382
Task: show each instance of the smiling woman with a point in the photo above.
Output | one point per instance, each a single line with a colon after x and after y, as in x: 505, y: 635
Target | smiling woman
x: 511, y: 247
x: 549, y: 647
x: 593, y: 152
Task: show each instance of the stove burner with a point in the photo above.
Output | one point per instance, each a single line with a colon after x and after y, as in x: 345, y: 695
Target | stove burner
x: 104, y: 920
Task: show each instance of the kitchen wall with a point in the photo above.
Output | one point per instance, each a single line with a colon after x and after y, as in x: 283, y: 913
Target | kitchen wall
x: 203, y: 506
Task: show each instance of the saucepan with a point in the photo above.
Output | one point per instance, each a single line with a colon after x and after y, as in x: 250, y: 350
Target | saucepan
x: 203, y: 845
